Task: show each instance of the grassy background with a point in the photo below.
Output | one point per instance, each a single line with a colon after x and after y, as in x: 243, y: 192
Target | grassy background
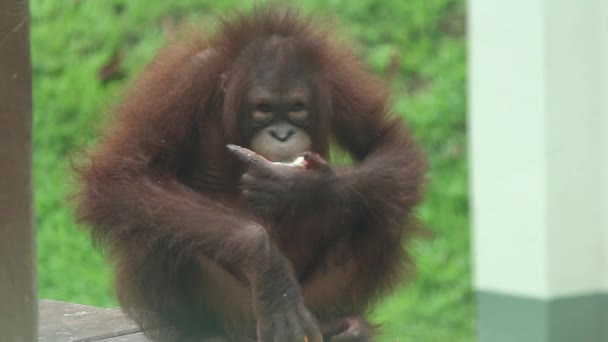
x: 417, y: 45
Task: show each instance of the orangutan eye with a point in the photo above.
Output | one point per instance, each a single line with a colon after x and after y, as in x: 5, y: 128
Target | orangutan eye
x: 298, y: 113
x: 297, y: 107
x: 264, y: 107
x: 262, y: 112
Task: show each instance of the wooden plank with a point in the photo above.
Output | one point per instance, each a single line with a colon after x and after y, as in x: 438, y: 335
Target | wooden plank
x: 139, y: 337
x: 60, y: 321
x: 17, y: 271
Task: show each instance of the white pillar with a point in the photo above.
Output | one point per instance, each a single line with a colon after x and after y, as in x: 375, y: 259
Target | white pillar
x: 539, y: 165
x: 604, y: 135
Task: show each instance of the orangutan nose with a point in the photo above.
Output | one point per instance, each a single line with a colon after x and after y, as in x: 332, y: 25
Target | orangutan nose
x: 281, y: 133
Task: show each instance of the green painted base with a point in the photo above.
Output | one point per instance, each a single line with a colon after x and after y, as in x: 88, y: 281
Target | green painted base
x: 504, y: 318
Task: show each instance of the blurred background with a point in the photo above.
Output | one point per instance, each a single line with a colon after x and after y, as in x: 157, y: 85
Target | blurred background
x: 85, y: 52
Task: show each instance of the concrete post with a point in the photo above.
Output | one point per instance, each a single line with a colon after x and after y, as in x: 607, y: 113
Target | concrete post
x: 539, y: 165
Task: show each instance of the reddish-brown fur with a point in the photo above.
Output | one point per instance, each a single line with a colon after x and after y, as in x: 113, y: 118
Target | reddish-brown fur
x: 161, y: 191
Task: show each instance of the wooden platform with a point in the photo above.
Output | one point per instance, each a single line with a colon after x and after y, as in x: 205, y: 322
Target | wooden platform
x: 61, y: 322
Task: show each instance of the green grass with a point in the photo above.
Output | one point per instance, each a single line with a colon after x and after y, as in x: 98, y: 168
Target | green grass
x: 417, y: 45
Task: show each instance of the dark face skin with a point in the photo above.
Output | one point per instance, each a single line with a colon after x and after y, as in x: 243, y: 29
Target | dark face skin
x: 279, y: 124
x: 278, y: 114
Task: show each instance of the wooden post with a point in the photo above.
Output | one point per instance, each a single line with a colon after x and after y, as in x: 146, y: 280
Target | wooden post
x: 18, y: 307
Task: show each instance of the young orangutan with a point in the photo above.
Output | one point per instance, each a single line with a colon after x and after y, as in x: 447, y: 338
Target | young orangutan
x: 219, y: 243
